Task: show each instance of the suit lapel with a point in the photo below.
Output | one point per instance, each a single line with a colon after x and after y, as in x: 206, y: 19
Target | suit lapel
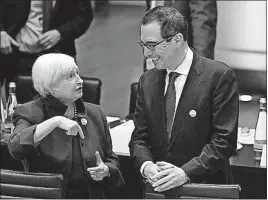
x: 190, y: 89
x: 158, y: 107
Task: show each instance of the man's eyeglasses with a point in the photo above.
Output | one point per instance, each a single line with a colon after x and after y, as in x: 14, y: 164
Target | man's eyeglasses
x: 152, y: 45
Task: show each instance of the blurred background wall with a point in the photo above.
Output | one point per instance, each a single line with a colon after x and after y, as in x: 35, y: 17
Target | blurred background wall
x: 241, y: 34
x: 241, y: 42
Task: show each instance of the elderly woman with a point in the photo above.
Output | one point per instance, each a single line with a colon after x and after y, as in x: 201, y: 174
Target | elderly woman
x: 59, y: 133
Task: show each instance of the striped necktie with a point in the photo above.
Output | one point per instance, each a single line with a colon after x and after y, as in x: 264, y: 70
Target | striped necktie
x: 170, y: 101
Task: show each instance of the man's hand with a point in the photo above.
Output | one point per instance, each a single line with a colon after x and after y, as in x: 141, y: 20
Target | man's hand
x: 170, y: 176
x: 5, y: 43
x: 149, y: 171
x: 99, y: 172
x: 49, y: 39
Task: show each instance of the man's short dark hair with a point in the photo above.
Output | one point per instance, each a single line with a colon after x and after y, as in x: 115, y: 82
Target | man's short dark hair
x: 169, y: 19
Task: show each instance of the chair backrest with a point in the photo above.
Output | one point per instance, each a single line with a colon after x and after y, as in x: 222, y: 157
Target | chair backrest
x: 251, y: 82
x: 194, y: 190
x: 133, y: 98
x: 92, y: 90
x: 25, y: 91
x: 17, y: 184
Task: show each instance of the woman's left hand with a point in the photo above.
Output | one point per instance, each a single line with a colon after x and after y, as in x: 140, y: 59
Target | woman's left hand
x: 99, y: 172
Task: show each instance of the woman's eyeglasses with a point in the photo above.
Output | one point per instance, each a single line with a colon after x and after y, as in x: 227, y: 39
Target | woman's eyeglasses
x: 152, y: 45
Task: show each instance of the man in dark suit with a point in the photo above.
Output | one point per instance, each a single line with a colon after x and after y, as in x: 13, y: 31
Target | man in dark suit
x: 186, y: 115
x: 30, y: 28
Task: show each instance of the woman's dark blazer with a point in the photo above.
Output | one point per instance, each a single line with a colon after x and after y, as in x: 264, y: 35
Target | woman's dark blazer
x: 54, y: 153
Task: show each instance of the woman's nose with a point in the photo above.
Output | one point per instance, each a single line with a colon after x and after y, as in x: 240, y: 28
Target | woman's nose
x: 79, y: 80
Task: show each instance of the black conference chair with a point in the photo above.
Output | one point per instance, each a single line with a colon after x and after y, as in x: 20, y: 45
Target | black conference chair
x: 25, y: 91
x: 194, y: 190
x: 7, y: 161
x: 251, y: 82
x: 92, y: 90
x: 17, y: 184
x: 133, y: 98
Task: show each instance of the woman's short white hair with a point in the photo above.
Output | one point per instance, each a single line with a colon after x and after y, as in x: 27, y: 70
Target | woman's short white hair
x: 50, y: 68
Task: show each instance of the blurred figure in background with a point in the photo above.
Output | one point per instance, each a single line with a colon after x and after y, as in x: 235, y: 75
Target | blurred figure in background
x: 100, y: 5
x: 202, y: 20
x: 30, y: 28
x: 59, y: 133
x: 148, y: 4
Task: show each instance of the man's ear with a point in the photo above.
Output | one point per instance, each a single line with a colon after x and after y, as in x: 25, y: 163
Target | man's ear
x: 179, y: 38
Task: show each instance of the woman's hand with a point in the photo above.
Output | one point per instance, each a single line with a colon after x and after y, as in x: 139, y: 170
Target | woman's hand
x: 99, y: 172
x: 43, y: 129
x: 71, y: 127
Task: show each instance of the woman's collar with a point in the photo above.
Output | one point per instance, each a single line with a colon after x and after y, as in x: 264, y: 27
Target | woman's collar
x: 55, y: 104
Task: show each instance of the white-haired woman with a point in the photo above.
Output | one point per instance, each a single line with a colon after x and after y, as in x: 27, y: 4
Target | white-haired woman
x: 59, y: 133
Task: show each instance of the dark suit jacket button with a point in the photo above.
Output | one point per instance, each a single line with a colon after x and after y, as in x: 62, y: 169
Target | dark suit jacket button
x: 168, y: 154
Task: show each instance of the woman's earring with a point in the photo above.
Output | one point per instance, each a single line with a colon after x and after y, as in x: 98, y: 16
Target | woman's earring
x: 53, y: 91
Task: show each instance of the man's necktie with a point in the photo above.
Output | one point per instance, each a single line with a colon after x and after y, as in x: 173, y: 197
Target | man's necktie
x: 47, y: 11
x: 170, y: 101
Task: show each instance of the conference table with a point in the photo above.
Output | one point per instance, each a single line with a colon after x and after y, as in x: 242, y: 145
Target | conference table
x: 246, y: 171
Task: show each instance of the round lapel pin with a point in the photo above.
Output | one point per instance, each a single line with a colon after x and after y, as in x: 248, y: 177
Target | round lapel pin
x: 192, y: 113
x: 84, y: 121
